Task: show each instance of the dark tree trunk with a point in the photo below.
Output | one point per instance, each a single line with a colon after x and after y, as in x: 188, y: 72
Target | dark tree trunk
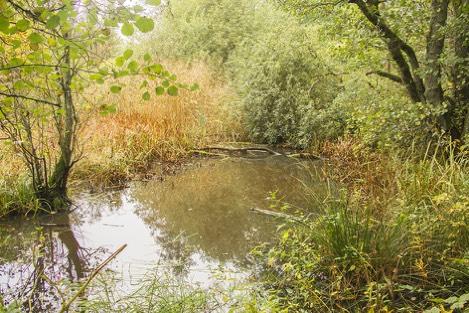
x: 435, y: 45
x: 461, y: 68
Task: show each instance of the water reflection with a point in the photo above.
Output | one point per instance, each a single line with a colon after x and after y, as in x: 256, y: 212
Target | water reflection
x: 195, y: 222
x: 34, y: 254
x: 210, y: 205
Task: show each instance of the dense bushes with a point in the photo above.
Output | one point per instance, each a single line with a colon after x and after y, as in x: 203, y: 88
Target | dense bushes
x: 285, y: 72
x: 284, y: 88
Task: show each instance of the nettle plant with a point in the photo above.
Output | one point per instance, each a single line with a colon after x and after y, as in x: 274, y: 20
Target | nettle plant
x: 49, y: 54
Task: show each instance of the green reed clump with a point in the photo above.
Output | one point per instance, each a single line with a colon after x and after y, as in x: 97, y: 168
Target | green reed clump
x: 17, y: 196
x: 407, y: 253
x: 156, y: 292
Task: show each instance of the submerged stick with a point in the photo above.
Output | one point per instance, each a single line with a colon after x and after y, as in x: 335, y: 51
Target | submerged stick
x: 67, y: 305
x: 246, y: 149
x: 277, y: 214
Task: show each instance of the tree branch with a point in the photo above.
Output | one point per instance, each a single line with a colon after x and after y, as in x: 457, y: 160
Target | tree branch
x: 9, y: 68
x: 387, y: 75
x: 29, y: 98
x: 396, y: 45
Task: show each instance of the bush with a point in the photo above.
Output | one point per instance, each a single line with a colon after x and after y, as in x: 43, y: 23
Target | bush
x: 284, y: 89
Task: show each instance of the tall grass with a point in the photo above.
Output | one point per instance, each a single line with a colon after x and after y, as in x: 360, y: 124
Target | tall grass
x: 156, y: 292
x: 407, y: 251
x: 165, y: 128
x: 16, y: 194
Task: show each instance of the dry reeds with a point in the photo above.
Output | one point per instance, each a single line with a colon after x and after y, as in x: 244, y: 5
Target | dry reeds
x: 164, y: 128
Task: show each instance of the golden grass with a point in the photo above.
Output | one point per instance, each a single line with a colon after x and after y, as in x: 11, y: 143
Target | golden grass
x: 165, y: 128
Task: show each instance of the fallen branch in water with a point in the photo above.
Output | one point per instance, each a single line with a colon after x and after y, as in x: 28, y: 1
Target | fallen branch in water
x: 209, y: 153
x: 246, y: 149
x: 305, y: 156
x: 66, y: 306
x: 277, y: 214
x: 53, y: 225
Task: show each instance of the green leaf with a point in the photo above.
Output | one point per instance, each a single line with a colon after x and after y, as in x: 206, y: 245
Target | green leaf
x: 107, y: 109
x: 111, y: 22
x: 153, y: 2
x: 159, y: 91
x: 127, y: 29
x: 20, y: 84
x: 22, y: 25
x: 165, y: 83
x: 35, y: 38
x: 133, y: 66
x: 147, y: 57
x: 144, y: 84
x: 116, y: 89
x: 146, y: 96
x: 145, y: 24
x: 157, y: 68
x: 173, y: 90
x: 128, y: 53
x: 4, y: 24
x: 53, y: 22
x: 195, y: 87
x: 120, y: 61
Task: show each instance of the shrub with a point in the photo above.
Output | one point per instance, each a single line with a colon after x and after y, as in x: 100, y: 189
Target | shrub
x: 284, y: 89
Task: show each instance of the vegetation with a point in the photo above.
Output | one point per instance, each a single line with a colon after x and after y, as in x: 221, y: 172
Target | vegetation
x: 398, y: 247
x: 379, y: 89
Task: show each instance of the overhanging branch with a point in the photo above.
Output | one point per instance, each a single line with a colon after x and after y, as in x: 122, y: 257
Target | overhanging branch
x: 11, y: 95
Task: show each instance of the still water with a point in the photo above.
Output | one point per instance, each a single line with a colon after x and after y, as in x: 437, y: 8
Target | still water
x: 195, y: 223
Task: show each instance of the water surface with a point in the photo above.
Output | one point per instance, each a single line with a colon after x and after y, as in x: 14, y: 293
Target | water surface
x: 195, y: 223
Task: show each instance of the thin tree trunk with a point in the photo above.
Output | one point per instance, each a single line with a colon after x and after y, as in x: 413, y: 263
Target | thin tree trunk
x: 66, y: 130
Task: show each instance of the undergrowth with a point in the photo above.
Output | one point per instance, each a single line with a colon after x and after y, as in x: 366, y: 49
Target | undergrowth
x: 400, y: 246
x: 16, y: 194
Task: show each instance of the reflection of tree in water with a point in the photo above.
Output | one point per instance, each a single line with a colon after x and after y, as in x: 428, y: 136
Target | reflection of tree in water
x: 210, y: 206
x: 34, y: 259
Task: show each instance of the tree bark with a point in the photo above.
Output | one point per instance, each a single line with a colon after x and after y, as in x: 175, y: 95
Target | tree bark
x: 461, y: 68
x: 435, y: 45
x: 66, y: 129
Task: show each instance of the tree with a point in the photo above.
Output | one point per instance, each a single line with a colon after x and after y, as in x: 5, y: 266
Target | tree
x: 420, y: 70
x: 49, y: 55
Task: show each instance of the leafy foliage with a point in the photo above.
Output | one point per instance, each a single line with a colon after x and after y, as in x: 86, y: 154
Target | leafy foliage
x: 285, y: 90
x: 51, y: 55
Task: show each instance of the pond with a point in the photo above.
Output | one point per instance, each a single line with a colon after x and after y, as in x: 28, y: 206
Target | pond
x: 195, y: 223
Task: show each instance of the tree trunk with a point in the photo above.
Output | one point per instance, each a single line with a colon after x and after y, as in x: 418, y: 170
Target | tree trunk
x: 461, y: 68
x: 66, y: 129
x: 435, y: 45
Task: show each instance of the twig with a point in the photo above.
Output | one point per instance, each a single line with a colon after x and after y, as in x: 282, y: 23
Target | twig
x: 67, y: 305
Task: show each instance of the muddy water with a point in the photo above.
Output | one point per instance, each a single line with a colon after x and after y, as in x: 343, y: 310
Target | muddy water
x: 195, y: 224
